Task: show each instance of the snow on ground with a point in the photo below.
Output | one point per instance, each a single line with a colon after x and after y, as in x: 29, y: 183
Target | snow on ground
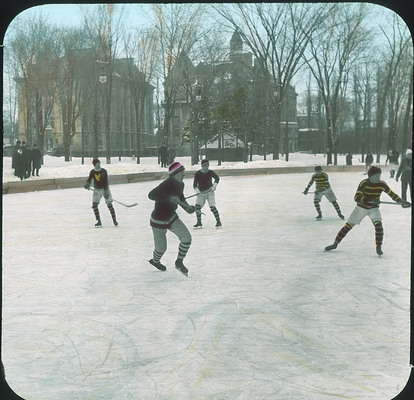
x: 56, y: 167
x: 264, y: 314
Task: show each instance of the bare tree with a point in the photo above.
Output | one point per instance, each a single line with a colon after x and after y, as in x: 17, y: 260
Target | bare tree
x: 333, y: 49
x: 177, y: 26
x: 277, y: 35
x: 394, y: 85
x: 36, y: 53
x: 398, y: 42
x: 142, y: 48
x: 363, y: 79
x: 104, y: 32
x: 69, y: 85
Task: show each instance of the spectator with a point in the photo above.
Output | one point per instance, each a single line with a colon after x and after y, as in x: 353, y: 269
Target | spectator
x: 36, y: 158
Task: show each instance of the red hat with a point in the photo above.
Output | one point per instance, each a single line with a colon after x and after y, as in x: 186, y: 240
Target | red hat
x: 204, y: 162
x: 95, y: 161
x: 374, y: 171
x: 175, y: 167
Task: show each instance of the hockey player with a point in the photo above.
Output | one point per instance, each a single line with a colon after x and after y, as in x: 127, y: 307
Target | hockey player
x: 205, y: 188
x: 323, y: 188
x: 167, y: 196
x: 101, y: 188
x: 367, y: 198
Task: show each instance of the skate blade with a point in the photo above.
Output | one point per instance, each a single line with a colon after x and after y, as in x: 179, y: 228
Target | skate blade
x: 184, y: 273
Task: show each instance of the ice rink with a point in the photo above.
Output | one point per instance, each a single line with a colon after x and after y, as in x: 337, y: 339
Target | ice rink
x: 264, y: 314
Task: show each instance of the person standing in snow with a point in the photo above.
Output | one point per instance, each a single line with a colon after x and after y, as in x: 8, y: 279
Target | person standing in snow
x: 36, y: 158
x: 15, y: 155
x: 101, y: 188
x: 323, y: 188
x: 27, y: 160
x: 369, y: 159
x: 205, y: 188
x: 367, y: 198
x: 168, y: 196
x: 405, y: 171
x: 163, y: 153
x: 348, y: 158
x: 392, y: 159
x: 19, y: 163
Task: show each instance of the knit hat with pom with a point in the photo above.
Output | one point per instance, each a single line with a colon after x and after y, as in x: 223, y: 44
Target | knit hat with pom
x: 175, y: 167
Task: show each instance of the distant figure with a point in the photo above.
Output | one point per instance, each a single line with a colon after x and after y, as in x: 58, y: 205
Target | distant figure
x: 349, y: 159
x: 392, y: 159
x: 27, y: 160
x: 17, y: 146
x: 36, y: 158
x: 19, y: 163
x: 163, y: 153
x: 369, y: 159
x: 405, y: 171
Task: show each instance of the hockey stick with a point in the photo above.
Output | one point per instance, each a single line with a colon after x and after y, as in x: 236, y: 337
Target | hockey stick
x: 393, y: 203
x: 185, y: 205
x: 198, y: 194
x: 116, y: 201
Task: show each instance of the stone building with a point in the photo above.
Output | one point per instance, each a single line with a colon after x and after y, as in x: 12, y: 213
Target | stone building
x: 88, y: 107
x: 209, y: 86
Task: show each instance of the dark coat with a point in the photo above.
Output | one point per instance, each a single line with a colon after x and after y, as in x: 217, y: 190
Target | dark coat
x: 36, y: 158
x: 405, y: 169
x: 19, y: 163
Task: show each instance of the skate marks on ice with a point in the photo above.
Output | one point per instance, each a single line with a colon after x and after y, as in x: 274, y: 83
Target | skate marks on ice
x: 264, y: 314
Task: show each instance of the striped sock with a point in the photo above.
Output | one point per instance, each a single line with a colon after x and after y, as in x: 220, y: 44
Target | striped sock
x: 112, y: 211
x: 341, y: 234
x: 336, y: 205
x: 198, y: 212
x: 96, y: 211
x: 318, y: 208
x: 156, y: 256
x: 215, y: 213
x: 379, y: 233
x: 183, y: 249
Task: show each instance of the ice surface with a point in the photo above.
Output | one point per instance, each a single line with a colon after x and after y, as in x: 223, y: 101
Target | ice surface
x: 264, y: 314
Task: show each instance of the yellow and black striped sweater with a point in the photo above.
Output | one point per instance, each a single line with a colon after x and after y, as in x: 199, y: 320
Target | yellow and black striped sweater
x: 368, y: 193
x: 322, y: 181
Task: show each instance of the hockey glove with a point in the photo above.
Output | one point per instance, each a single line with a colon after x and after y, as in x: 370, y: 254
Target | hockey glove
x: 87, y: 185
x: 190, y: 209
x: 306, y: 191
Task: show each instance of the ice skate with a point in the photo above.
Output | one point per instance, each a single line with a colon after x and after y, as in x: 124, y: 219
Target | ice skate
x: 158, y: 265
x: 219, y: 224
x: 379, y: 251
x: 198, y: 225
x: 341, y: 216
x: 98, y: 224
x: 319, y: 217
x: 331, y: 247
x: 115, y: 222
x: 181, y: 267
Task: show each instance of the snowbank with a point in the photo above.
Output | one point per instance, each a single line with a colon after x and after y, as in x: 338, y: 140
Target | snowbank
x: 56, y: 167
